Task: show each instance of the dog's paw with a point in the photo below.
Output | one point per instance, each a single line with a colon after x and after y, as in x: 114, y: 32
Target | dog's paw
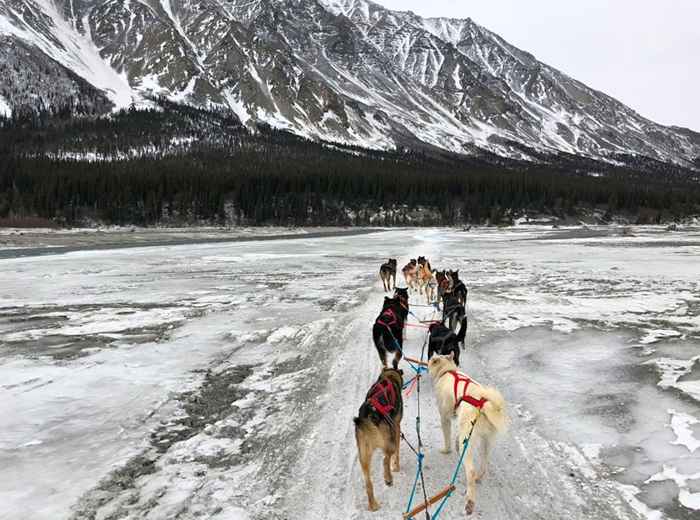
x: 445, y: 451
x: 389, y: 482
x: 374, y: 506
x: 469, y: 509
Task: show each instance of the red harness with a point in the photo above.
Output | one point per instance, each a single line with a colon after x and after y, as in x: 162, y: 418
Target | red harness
x: 459, y: 378
x: 383, y: 397
x: 393, y: 320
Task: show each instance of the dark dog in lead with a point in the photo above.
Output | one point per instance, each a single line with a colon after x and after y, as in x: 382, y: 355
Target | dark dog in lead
x: 455, y: 315
x: 387, y: 272
x: 387, y: 331
x: 443, y: 341
x: 379, y: 427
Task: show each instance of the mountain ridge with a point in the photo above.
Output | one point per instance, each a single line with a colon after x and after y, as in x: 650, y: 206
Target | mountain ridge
x: 347, y: 71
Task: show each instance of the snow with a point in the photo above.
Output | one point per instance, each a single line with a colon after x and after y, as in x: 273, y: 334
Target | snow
x: 5, y: 108
x: 265, y: 348
x: 79, y: 53
x: 681, y: 423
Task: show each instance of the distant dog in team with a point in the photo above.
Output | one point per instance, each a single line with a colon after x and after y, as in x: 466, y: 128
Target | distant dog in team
x: 387, y: 273
x: 423, y: 261
x: 426, y: 281
x: 443, y: 341
x: 410, y: 270
x: 379, y: 427
x: 387, y: 331
x: 481, y: 414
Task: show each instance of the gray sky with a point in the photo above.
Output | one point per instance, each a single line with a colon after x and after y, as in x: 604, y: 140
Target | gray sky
x: 646, y: 53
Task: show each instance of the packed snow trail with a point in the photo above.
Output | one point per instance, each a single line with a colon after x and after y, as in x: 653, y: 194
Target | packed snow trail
x: 221, y: 380
x: 527, y: 474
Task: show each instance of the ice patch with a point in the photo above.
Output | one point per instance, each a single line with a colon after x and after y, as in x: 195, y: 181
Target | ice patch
x: 685, y: 497
x: 680, y: 423
x: 629, y: 493
x: 672, y: 370
x: 105, y: 321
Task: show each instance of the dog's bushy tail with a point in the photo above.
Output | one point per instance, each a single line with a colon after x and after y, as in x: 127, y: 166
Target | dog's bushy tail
x: 495, y: 409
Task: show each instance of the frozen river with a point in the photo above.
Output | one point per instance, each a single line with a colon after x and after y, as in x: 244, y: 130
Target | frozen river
x: 219, y: 380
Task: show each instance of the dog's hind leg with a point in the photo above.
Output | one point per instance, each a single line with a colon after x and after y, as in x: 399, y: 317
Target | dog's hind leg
x: 471, y: 481
x: 397, y: 462
x: 388, y: 455
x: 397, y: 358
x: 382, y: 357
x: 484, y: 451
x: 365, y: 453
x: 378, y: 338
x: 446, y: 422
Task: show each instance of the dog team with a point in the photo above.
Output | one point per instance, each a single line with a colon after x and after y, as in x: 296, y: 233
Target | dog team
x: 479, y: 410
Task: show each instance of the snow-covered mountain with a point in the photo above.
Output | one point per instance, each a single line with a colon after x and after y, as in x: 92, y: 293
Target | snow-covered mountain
x: 350, y: 71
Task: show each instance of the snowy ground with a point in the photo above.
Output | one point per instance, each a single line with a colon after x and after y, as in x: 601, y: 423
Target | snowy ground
x: 219, y: 380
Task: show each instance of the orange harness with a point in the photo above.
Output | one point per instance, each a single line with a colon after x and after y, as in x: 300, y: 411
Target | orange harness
x: 459, y: 378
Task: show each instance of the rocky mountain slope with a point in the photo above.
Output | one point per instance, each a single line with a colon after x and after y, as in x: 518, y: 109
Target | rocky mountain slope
x: 348, y: 71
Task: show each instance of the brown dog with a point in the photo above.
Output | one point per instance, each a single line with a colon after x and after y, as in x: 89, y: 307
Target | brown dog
x: 379, y: 427
x: 409, y: 273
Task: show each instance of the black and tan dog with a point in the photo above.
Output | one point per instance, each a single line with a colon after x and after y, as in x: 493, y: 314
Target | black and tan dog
x: 387, y: 331
x: 387, y: 272
x: 379, y: 427
x: 444, y: 282
x: 423, y: 261
x: 455, y: 315
x: 442, y: 341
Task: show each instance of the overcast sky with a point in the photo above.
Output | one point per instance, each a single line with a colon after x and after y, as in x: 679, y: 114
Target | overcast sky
x: 646, y: 53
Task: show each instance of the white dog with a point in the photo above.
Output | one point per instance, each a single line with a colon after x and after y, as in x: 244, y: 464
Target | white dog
x: 480, y: 416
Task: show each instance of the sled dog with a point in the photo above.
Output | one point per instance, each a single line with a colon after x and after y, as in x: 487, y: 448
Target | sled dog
x: 387, y: 331
x: 378, y: 426
x: 481, y: 414
x: 387, y: 273
x: 442, y: 340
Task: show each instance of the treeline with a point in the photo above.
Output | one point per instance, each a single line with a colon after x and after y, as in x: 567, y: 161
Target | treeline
x: 228, y: 175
